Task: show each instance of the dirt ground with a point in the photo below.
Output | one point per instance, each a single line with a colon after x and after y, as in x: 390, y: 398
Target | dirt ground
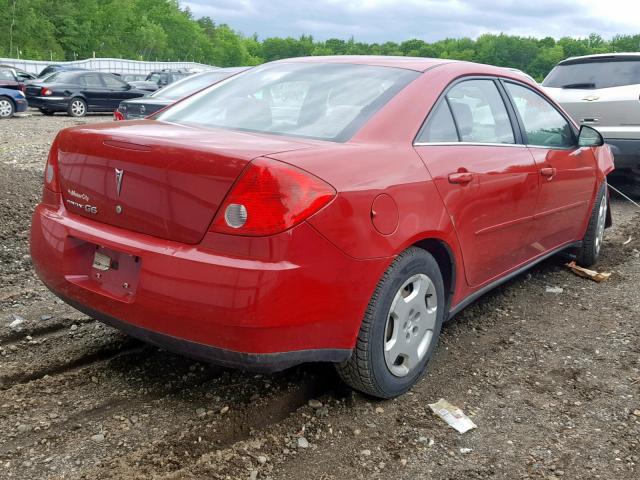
x: 552, y: 380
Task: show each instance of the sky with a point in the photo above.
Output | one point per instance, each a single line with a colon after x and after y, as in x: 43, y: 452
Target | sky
x: 429, y: 20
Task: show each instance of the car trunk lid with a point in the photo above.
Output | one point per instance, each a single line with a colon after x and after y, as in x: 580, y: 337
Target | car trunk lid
x: 615, y: 106
x: 156, y: 178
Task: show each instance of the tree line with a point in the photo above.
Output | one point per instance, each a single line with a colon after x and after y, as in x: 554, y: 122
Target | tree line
x: 163, y: 30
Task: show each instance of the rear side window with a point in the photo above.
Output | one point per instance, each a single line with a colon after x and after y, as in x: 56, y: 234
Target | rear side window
x: 480, y: 113
x: 543, y: 124
x: 597, y: 74
x: 440, y: 126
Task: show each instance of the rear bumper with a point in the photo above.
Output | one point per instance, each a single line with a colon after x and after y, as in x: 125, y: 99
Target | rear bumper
x: 255, y: 303
x: 626, y: 153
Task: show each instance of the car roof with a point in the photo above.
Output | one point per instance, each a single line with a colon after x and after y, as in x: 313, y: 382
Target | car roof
x: 419, y: 64
x: 601, y: 57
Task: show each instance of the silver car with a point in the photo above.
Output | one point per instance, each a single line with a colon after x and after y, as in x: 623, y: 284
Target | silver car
x: 603, y: 91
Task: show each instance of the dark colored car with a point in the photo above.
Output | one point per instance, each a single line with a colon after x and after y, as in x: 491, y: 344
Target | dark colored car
x: 57, y: 68
x: 14, y: 78
x: 333, y: 209
x: 11, y: 101
x: 145, y: 106
x: 22, y: 75
x: 162, y: 78
x: 78, y: 92
x: 139, y: 81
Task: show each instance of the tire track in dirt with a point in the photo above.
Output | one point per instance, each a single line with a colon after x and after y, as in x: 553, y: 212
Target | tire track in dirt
x: 63, y: 350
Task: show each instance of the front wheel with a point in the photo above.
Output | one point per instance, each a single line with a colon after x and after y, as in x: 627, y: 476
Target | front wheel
x: 589, y: 252
x: 77, y: 107
x: 400, y: 328
x: 6, y: 108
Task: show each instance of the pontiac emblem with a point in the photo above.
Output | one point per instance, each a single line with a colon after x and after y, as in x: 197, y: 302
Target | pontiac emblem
x: 119, y: 174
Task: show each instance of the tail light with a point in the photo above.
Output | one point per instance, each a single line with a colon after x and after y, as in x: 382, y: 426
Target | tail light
x: 271, y: 197
x: 45, y: 92
x: 23, y: 88
x: 51, y: 190
x: 117, y: 115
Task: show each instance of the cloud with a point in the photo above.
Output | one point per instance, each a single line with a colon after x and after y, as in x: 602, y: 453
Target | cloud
x: 383, y: 20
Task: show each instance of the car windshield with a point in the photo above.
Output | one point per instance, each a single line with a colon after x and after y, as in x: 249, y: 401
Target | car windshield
x: 596, y: 74
x: 323, y: 101
x: 187, y: 86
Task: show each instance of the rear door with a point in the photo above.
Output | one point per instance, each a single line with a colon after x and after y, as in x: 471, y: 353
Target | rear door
x: 94, y: 91
x: 567, y: 173
x: 487, y: 178
x: 117, y: 91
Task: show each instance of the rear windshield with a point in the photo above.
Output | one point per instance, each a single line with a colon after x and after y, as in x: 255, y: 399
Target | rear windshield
x: 187, y: 86
x: 598, y: 74
x: 323, y: 101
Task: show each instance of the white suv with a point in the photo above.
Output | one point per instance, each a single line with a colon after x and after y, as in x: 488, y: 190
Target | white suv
x: 603, y: 91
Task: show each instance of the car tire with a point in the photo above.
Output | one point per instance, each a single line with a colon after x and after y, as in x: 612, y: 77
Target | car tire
x: 46, y: 112
x: 7, y: 107
x: 390, y: 354
x: 77, y: 107
x: 591, y: 247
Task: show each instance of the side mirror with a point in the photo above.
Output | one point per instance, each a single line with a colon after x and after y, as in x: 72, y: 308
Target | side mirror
x: 589, y: 137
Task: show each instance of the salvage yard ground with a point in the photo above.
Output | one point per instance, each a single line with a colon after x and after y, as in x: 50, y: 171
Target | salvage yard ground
x: 552, y: 380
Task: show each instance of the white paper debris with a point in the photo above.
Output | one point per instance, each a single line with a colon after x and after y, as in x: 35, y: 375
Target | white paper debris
x: 554, y: 290
x: 452, y: 415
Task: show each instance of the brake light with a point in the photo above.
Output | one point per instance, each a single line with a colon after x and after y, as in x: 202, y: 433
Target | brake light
x: 44, y: 91
x: 23, y: 88
x: 117, y: 115
x: 271, y: 197
x: 51, y: 172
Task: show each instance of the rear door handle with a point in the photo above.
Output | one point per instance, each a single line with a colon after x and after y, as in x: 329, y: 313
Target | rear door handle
x: 460, y: 177
x: 548, y: 172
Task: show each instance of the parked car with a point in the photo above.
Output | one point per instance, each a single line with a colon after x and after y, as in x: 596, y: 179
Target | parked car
x: 162, y: 78
x: 22, y: 75
x: 138, y: 80
x: 58, y: 68
x: 13, y: 78
x: 145, y: 106
x: 78, y: 92
x: 603, y: 91
x: 334, y: 209
x: 11, y: 101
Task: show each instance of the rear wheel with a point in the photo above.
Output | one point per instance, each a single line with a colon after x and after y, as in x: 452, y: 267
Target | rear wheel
x: 77, y: 107
x: 7, y: 109
x: 400, y: 328
x: 589, y: 252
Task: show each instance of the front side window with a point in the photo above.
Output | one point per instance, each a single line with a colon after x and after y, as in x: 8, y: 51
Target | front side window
x: 112, y: 82
x: 91, y: 80
x: 543, y: 124
x: 314, y: 100
x: 480, y: 113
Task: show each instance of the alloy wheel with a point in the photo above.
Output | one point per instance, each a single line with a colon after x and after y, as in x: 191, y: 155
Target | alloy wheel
x: 6, y: 109
x: 78, y: 108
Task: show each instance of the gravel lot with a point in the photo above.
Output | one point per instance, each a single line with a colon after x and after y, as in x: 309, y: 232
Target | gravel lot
x: 551, y: 379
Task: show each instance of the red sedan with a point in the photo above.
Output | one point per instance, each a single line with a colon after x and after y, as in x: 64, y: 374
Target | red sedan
x: 334, y: 209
